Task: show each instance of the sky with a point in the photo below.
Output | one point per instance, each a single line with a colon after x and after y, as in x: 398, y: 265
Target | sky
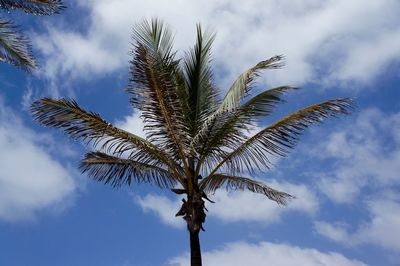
x: 344, y: 173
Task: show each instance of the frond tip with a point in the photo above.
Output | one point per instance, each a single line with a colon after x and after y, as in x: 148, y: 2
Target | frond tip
x: 90, y: 128
x: 15, y: 48
x: 242, y: 85
x: 37, y: 7
x: 154, y: 72
x: 117, y: 171
x: 284, y: 134
x: 214, y: 182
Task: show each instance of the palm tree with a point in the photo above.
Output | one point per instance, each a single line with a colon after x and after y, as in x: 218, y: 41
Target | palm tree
x: 15, y: 48
x: 196, y: 142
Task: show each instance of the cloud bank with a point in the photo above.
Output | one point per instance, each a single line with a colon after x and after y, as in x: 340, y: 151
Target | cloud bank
x: 30, y: 178
x: 242, y: 253
x: 327, y: 42
x: 364, y: 154
x: 364, y: 174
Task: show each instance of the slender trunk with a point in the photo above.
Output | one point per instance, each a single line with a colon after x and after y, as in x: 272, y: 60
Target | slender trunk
x: 195, y: 252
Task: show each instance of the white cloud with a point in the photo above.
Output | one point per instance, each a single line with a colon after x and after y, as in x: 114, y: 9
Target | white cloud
x: 362, y: 61
x: 76, y: 55
x: 384, y: 226
x: 163, y: 207
x: 335, y: 232
x: 242, y: 253
x: 364, y: 154
x: 30, y: 178
x: 237, y: 206
x: 345, y: 40
x: 132, y: 123
x: 365, y: 159
x: 381, y: 229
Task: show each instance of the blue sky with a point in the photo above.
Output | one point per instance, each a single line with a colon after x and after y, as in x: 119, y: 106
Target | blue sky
x: 344, y: 173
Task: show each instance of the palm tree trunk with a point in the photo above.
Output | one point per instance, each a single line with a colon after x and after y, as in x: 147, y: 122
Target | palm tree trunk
x: 195, y: 252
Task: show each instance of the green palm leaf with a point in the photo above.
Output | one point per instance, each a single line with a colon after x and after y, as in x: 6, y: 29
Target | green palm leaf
x: 237, y: 92
x: 118, y: 171
x: 155, y: 37
x: 92, y: 129
x: 229, y: 129
x: 37, y: 7
x: 15, y: 48
x: 155, y: 89
x: 242, y: 85
x: 198, y: 80
x: 264, y: 103
x: 280, y: 136
x: 231, y: 182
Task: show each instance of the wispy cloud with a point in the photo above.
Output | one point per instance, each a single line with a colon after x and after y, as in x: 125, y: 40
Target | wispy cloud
x: 342, y: 40
x: 363, y: 154
x: 242, y: 253
x: 163, y: 207
x: 382, y: 228
x: 364, y: 158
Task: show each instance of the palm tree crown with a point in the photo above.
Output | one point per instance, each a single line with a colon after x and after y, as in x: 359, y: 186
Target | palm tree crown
x: 196, y: 141
x: 15, y: 48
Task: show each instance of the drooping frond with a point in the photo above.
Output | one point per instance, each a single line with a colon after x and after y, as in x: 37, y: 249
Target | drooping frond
x: 198, y: 80
x: 37, y: 7
x: 239, y: 89
x: 230, y: 182
x: 15, y: 48
x: 277, y: 138
x: 92, y: 129
x: 230, y: 128
x: 154, y: 87
x: 242, y: 84
x: 264, y: 103
x: 117, y: 171
x: 232, y: 124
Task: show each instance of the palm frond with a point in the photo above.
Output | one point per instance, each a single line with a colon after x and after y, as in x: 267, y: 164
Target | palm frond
x: 277, y: 138
x: 15, y: 48
x: 37, y: 7
x: 231, y: 182
x: 242, y: 84
x: 223, y: 135
x: 229, y: 128
x: 198, y: 80
x: 264, y: 103
x: 117, y: 171
x: 239, y: 89
x: 155, y: 37
x: 154, y: 87
x: 92, y: 129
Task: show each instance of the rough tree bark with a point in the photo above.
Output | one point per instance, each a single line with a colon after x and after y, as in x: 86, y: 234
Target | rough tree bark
x: 195, y: 251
